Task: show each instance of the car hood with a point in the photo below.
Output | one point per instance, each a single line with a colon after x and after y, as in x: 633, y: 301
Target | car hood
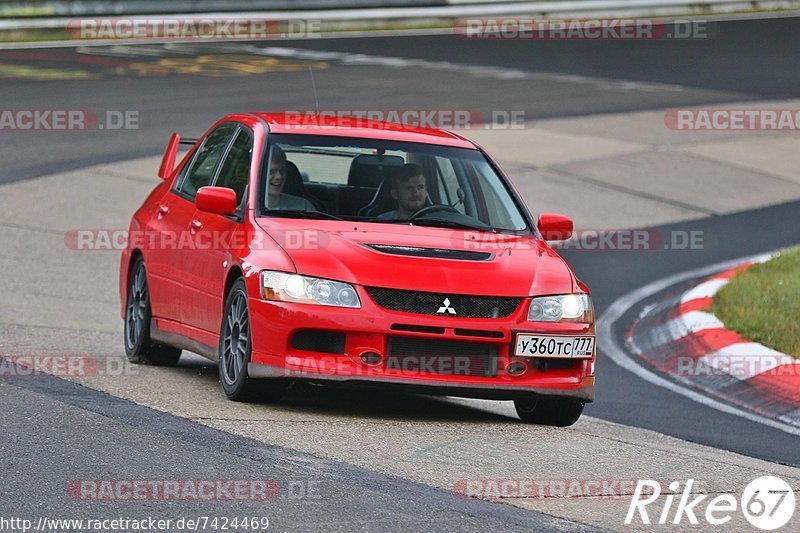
x: 519, y: 265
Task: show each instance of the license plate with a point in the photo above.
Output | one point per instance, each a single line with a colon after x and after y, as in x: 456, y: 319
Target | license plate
x: 554, y: 346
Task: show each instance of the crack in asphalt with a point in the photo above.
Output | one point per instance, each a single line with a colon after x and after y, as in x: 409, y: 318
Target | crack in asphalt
x: 31, y: 228
x: 556, y: 169
x: 634, y: 192
x: 751, y: 170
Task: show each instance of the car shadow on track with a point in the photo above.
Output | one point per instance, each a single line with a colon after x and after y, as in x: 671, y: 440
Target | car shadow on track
x: 347, y: 400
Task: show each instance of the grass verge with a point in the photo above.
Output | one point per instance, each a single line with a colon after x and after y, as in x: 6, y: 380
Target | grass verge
x: 762, y: 303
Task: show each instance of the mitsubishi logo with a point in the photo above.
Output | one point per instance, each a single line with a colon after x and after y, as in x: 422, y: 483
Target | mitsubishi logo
x: 445, y: 308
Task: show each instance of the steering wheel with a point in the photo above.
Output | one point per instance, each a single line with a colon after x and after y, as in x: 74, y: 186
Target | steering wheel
x: 433, y: 209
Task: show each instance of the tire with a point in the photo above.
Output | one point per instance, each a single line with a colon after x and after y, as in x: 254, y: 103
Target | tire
x: 549, y: 411
x: 235, y: 349
x: 139, y: 347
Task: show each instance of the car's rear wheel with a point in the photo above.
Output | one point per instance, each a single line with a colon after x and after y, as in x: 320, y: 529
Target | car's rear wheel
x: 235, y: 349
x: 549, y: 411
x: 139, y: 347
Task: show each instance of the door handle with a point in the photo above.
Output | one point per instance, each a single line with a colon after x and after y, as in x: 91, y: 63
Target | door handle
x: 163, y: 209
x: 196, y: 225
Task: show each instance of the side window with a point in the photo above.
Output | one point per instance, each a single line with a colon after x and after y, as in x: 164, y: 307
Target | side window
x: 235, y: 171
x: 205, y: 161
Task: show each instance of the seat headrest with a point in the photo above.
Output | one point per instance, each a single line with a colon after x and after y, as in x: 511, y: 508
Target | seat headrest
x: 368, y: 170
x: 294, y: 181
x: 381, y: 202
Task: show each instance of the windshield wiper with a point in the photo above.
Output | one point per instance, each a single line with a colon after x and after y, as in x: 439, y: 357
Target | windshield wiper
x: 383, y: 220
x: 291, y: 213
x: 432, y: 222
x: 445, y: 223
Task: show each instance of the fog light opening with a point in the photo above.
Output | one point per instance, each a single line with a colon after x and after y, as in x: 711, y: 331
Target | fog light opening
x: 371, y: 358
x: 516, y: 368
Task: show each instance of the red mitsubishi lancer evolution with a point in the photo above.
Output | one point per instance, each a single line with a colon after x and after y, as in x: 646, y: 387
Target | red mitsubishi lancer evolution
x: 344, y: 250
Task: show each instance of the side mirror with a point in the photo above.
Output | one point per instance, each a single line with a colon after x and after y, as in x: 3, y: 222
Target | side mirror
x: 168, y: 161
x: 219, y: 200
x: 555, y: 227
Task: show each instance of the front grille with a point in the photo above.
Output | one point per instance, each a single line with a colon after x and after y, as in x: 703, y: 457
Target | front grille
x: 430, y: 303
x: 439, y: 356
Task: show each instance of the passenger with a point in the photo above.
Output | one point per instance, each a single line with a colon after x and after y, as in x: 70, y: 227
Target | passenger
x: 410, y: 191
x: 276, y: 198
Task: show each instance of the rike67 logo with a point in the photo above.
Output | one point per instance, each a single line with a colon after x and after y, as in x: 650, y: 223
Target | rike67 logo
x: 768, y: 503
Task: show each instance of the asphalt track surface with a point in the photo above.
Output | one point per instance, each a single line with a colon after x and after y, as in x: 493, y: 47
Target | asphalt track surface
x: 140, y: 443
x: 752, y: 60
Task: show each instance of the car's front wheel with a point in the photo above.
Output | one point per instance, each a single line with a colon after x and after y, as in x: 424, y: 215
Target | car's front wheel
x: 138, y: 346
x: 235, y: 349
x: 549, y: 411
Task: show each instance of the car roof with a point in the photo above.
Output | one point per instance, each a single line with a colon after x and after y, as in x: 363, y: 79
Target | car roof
x: 343, y: 126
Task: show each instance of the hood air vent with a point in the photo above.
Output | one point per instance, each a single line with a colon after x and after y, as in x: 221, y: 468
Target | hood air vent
x: 435, y: 253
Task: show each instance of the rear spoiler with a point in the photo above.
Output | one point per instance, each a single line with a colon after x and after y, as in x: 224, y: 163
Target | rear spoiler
x: 168, y: 161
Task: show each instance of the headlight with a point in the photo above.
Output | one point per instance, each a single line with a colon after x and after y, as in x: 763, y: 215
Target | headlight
x: 287, y: 287
x: 562, y: 308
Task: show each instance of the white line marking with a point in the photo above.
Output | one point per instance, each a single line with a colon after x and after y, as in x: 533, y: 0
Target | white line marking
x: 683, y: 325
x: 692, y: 322
x: 707, y: 289
x: 793, y: 417
x: 501, y: 73
x: 617, y: 354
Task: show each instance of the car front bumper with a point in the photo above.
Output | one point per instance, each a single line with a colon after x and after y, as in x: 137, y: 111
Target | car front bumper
x: 375, y: 330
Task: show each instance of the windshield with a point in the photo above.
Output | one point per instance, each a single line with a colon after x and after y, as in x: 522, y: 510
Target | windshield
x: 386, y: 182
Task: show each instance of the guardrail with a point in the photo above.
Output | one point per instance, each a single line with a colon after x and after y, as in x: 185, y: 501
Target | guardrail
x: 57, y: 8
x: 343, y: 14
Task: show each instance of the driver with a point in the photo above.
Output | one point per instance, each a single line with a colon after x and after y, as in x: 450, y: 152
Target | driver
x: 410, y: 192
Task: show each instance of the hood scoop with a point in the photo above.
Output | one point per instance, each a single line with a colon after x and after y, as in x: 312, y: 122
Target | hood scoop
x: 434, y: 253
